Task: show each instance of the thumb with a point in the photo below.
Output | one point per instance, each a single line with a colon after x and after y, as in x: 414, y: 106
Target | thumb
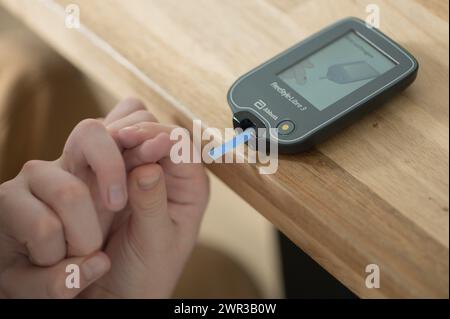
x: 148, y: 199
x: 66, y: 279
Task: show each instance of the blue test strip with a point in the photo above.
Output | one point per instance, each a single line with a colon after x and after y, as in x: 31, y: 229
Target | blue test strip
x: 239, y: 139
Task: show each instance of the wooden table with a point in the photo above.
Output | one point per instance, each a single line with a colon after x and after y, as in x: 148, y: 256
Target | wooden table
x: 375, y: 194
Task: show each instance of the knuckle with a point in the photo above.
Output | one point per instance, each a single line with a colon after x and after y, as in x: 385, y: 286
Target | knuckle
x: 82, y: 131
x: 46, y: 227
x: 70, y: 193
x: 89, y: 125
x: 32, y: 166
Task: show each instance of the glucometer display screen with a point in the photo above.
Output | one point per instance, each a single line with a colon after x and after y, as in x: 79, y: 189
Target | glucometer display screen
x: 336, y: 70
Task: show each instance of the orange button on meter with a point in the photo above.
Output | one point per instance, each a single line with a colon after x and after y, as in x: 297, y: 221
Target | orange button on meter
x: 285, y: 127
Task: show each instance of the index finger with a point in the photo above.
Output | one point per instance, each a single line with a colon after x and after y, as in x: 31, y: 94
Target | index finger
x: 91, y: 147
x: 149, y: 142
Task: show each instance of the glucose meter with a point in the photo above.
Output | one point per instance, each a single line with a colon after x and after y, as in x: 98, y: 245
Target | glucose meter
x: 322, y: 84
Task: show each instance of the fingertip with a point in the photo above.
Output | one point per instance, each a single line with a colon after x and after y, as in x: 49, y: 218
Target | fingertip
x: 129, y: 130
x: 156, y: 148
x: 127, y: 135
x: 148, y: 181
x: 146, y: 177
x: 95, y: 266
x: 117, y: 196
x: 105, y: 258
x: 163, y: 136
x: 91, y: 243
x: 148, y: 194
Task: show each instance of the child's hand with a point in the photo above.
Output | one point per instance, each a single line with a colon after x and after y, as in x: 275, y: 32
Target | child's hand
x: 62, y: 212
x: 151, y: 239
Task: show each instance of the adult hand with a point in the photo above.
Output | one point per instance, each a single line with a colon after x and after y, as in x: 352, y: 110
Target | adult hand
x: 64, y: 212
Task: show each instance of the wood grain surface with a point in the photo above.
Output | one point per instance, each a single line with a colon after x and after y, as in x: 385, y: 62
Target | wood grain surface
x: 377, y: 193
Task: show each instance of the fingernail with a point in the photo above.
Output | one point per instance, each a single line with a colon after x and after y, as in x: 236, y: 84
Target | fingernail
x: 94, y: 268
x: 133, y: 128
x: 148, y: 182
x: 116, y: 194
